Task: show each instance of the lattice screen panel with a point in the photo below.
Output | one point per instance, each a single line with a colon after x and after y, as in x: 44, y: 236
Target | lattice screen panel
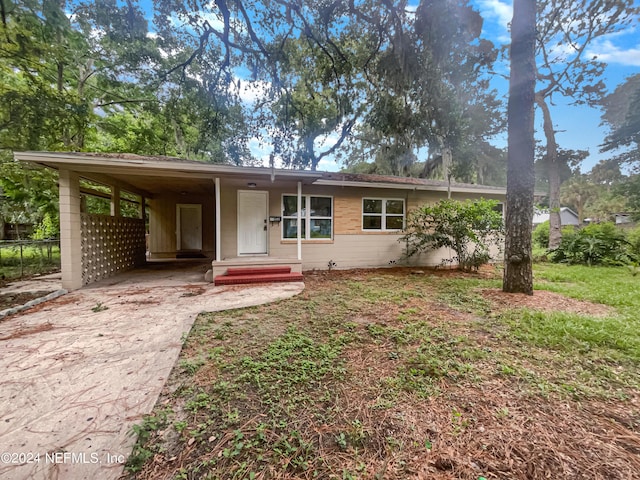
x: 110, y: 245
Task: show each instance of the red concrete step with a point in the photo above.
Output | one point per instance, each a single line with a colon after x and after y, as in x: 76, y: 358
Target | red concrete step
x: 257, y: 278
x: 257, y: 270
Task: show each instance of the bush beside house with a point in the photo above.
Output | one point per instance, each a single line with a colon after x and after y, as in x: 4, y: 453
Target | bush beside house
x: 469, y: 228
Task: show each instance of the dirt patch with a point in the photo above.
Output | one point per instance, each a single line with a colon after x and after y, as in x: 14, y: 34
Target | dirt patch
x: 8, y: 300
x: 23, y: 332
x: 545, y: 301
x: 193, y: 292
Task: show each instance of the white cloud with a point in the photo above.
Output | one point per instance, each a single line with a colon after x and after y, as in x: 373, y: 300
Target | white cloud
x: 250, y: 91
x: 260, y: 150
x: 328, y: 165
x: 607, y: 51
x: 502, y: 12
x: 411, y: 9
x: 182, y: 21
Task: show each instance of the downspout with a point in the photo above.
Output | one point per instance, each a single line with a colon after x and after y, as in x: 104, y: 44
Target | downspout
x: 299, y: 221
x: 218, y: 222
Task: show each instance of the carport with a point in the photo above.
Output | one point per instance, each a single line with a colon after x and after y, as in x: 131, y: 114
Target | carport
x: 98, y: 246
x: 178, y: 211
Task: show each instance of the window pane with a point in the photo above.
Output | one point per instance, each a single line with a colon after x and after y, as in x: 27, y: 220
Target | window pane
x: 372, y: 223
x: 320, y: 207
x: 371, y: 206
x: 395, y: 206
x: 394, y: 223
x: 320, y: 228
x: 289, y: 229
x: 290, y: 206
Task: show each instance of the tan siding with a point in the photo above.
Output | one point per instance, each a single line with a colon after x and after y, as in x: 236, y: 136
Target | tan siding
x: 361, y: 251
x: 162, y: 226
x: 162, y: 223
x: 348, y: 215
x: 229, y: 221
x: 350, y: 248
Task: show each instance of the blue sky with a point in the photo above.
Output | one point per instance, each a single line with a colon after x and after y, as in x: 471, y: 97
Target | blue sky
x: 578, y: 127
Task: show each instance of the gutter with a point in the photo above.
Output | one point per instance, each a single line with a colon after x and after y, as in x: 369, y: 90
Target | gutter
x: 59, y: 158
x: 412, y: 186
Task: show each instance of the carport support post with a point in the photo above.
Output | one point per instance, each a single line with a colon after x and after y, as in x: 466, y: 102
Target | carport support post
x: 115, y: 201
x: 218, y: 220
x: 299, y: 220
x: 142, y: 208
x: 70, y: 230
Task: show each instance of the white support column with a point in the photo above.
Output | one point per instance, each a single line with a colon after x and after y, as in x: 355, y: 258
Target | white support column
x: 218, y: 221
x: 115, y: 201
x: 299, y: 220
x: 70, y: 230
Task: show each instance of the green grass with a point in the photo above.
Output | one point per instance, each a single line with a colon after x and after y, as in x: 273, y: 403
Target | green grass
x: 35, y: 260
x: 614, y: 286
x: 314, y: 386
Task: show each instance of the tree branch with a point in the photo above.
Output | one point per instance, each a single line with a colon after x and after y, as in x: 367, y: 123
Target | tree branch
x: 120, y: 102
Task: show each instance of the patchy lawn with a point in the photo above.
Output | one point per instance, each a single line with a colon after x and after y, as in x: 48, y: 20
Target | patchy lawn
x: 397, y: 374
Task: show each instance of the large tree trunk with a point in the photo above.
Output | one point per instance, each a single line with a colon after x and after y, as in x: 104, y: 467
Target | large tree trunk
x: 447, y: 167
x: 518, y: 275
x: 553, y: 171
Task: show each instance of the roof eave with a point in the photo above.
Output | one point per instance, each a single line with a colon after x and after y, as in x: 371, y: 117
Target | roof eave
x: 411, y: 186
x: 60, y: 159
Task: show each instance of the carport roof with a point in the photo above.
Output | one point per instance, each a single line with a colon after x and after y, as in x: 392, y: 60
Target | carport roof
x: 146, y: 175
x: 141, y: 174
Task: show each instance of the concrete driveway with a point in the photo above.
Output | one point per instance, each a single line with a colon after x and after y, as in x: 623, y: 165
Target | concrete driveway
x: 79, y: 371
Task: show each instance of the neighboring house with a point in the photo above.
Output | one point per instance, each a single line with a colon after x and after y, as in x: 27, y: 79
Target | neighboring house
x: 623, y: 218
x: 16, y: 231
x: 567, y: 217
x: 235, y: 215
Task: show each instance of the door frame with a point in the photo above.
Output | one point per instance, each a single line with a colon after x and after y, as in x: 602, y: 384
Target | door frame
x: 239, y: 223
x: 198, y: 207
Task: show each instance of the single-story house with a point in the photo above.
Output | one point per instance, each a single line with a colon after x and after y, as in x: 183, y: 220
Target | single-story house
x: 567, y: 217
x: 233, y: 215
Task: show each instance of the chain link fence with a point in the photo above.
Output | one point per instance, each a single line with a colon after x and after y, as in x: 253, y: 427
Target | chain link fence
x: 21, y: 258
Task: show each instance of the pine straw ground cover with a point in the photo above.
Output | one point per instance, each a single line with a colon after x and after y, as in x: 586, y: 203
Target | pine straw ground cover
x: 397, y: 374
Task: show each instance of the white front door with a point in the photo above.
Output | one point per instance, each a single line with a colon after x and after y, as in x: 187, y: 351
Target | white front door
x: 189, y: 226
x: 252, y: 222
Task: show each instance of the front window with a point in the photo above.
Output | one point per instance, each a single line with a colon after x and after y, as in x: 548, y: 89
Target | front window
x: 382, y: 214
x: 317, y: 220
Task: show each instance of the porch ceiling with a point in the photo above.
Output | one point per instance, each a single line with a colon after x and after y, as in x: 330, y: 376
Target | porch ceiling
x: 180, y: 184
x: 153, y: 185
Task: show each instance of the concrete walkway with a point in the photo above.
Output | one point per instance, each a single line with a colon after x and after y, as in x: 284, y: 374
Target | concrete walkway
x: 79, y: 371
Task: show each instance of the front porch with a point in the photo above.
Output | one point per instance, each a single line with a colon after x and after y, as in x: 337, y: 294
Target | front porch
x: 252, y: 269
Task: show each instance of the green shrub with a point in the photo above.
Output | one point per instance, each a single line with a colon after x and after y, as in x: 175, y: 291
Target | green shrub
x: 633, y: 237
x: 468, y: 228
x: 541, y: 235
x: 539, y: 254
x: 48, y: 228
x: 595, y: 244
